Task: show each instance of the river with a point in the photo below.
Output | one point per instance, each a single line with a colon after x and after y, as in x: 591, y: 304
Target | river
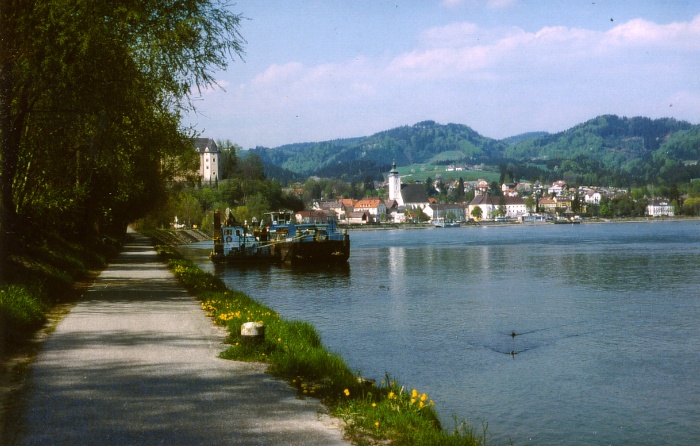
x: 552, y: 334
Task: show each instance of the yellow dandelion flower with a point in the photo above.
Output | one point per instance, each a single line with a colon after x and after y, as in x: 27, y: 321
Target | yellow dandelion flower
x: 421, y: 404
x: 423, y: 397
x: 413, y: 400
x: 391, y: 395
x: 374, y: 404
x: 414, y: 393
x: 346, y: 392
x: 376, y: 424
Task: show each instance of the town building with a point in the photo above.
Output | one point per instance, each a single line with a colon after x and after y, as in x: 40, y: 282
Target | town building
x: 373, y: 206
x: 448, y: 212
x: 313, y: 216
x: 660, y: 208
x: 557, y: 188
x: 486, y: 203
x: 515, y: 206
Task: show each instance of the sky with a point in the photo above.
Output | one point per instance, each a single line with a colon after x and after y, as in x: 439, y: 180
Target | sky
x: 318, y: 70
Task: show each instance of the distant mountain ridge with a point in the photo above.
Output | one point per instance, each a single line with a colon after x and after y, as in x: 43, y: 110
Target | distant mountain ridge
x: 635, y: 146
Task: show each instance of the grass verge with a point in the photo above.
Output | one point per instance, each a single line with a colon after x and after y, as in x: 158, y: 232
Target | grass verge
x: 373, y: 413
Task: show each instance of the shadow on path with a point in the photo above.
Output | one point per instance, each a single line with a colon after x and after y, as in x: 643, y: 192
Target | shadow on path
x: 135, y: 363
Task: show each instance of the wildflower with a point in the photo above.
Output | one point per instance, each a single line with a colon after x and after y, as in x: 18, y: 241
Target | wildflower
x: 346, y: 392
x: 414, y: 393
x: 374, y: 404
x: 391, y: 395
x: 421, y: 404
x: 413, y: 400
x: 376, y: 424
x: 423, y: 397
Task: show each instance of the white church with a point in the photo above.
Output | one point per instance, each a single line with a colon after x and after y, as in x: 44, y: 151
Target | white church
x: 405, y: 196
x: 209, y: 156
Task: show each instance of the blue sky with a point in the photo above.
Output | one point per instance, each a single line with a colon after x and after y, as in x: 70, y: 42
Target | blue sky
x: 320, y: 70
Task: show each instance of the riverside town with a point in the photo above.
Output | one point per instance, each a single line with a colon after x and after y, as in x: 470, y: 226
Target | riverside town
x: 332, y: 223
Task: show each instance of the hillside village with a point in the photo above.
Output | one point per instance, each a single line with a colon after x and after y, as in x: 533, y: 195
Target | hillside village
x: 401, y: 203
x: 516, y: 202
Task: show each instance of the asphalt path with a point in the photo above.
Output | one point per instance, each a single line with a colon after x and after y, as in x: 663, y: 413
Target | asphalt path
x: 135, y: 363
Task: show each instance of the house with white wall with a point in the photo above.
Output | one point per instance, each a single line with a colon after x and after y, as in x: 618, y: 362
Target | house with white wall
x: 373, y: 206
x: 660, y: 208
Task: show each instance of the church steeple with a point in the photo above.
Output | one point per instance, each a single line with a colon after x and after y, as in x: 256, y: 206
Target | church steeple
x: 395, y: 185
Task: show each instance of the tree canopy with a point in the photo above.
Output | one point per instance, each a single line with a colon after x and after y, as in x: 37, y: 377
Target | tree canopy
x: 91, y: 96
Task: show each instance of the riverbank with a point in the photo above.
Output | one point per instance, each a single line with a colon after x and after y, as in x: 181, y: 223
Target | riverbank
x: 479, y: 224
x: 373, y: 413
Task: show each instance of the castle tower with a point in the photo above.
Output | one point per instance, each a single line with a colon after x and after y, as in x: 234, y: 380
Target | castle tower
x: 395, y: 185
x: 209, y: 156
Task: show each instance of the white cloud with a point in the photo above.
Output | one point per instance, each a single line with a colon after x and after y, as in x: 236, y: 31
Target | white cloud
x: 499, y: 80
x: 500, y: 4
x: 278, y: 73
x: 639, y: 32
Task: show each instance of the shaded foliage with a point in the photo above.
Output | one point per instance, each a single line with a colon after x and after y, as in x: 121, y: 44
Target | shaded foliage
x: 90, y: 101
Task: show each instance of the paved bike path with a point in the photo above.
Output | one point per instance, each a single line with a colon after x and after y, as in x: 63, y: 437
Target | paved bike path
x: 135, y: 363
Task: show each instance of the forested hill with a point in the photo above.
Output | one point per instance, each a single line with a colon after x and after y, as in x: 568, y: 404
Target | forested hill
x: 639, y: 148
x: 636, y: 150
x: 613, y: 140
x: 424, y: 142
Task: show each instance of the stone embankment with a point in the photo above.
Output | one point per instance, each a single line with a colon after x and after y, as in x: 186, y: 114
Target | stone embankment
x: 180, y: 236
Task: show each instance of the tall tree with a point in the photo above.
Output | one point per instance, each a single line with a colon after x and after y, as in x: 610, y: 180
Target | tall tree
x: 91, y: 95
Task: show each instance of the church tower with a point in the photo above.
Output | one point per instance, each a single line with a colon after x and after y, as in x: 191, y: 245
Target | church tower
x: 395, y: 185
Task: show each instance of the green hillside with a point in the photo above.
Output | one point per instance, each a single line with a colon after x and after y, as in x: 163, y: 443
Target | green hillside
x: 423, y: 142
x: 605, y: 150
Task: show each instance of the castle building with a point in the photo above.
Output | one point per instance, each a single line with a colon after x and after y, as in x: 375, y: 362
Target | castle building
x: 209, y: 156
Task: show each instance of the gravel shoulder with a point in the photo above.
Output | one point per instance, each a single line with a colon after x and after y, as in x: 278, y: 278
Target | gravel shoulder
x: 135, y: 362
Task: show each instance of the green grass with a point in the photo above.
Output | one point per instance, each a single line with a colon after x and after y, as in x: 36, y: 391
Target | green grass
x: 420, y: 172
x: 384, y: 413
x: 22, y: 308
x: 41, y: 274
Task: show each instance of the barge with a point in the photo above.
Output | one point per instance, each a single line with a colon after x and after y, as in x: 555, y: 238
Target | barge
x: 283, y: 241
x: 306, y: 243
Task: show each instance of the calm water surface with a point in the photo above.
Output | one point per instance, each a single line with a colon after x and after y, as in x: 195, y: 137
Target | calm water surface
x: 607, y: 318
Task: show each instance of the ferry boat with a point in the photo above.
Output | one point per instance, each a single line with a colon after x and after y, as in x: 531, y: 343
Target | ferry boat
x: 234, y: 244
x: 283, y: 241
x: 306, y: 243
